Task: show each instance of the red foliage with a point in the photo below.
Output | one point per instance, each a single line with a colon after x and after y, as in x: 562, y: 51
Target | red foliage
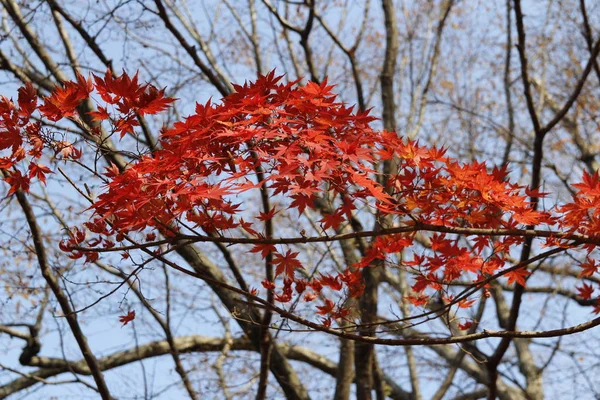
x: 305, y: 144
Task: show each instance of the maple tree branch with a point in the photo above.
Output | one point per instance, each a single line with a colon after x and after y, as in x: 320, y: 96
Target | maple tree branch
x: 58, y: 12
x: 568, y: 294
x: 521, y: 36
x: 214, y: 79
x: 588, y: 35
x: 526, y: 362
x: 455, y: 363
x: 475, y: 369
x: 351, y: 250
x: 266, y: 344
x: 386, y: 76
x: 304, y: 36
x: 587, y: 152
x: 46, y: 270
x: 594, y: 52
x: 446, y: 8
x: 507, y: 85
x: 66, y: 41
x: 303, y: 32
x: 126, y: 278
x: 205, y: 270
x: 204, y: 46
x: 78, y: 26
x: 284, y: 22
x: 416, y: 341
x: 164, y: 324
x: 540, y: 132
x: 102, y: 141
x: 248, y: 320
x: 32, y: 39
x: 50, y: 367
x: 420, y: 227
x: 494, y: 360
x: 252, y: 36
x: 350, y: 53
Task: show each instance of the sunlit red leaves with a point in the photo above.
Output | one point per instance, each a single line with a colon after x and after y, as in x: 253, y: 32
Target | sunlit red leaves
x: 333, y: 220
x: 128, y: 95
x: 590, y: 184
x: 67, y: 151
x: 112, y: 89
x: 126, y: 125
x: 419, y: 300
x: 301, y: 201
x: 10, y: 126
x: 582, y: 215
x: 64, y: 101
x: 421, y: 283
x: 153, y: 101
x: 100, y: 115
x: 301, y: 286
x: 311, y: 150
x: 308, y: 297
x: 286, y: 292
x: 76, y: 238
x: 267, y: 216
x: 464, y: 303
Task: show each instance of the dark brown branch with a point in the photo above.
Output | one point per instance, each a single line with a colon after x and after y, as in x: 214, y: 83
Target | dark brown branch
x: 420, y: 227
x: 588, y: 35
x: 50, y: 367
x: 61, y: 297
x: 524, y: 66
x: 212, y: 77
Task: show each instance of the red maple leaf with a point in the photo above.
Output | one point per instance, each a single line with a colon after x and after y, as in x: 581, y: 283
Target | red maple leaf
x: 286, y: 264
x: 263, y: 249
x: 518, y: 276
x: 39, y: 171
x: 64, y: 100
x: 127, y: 318
x: 27, y: 100
x: 327, y: 308
x: 99, y: 115
x: 465, y: 326
x: 17, y: 181
x: 332, y: 282
x: 333, y: 220
x: 267, y: 216
x: 585, y: 291
x: 267, y: 284
x: 589, y: 268
x: 153, y: 101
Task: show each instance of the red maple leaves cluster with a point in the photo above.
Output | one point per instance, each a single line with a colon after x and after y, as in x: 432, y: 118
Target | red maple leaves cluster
x: 305, y: 149
x: 23, y: 138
